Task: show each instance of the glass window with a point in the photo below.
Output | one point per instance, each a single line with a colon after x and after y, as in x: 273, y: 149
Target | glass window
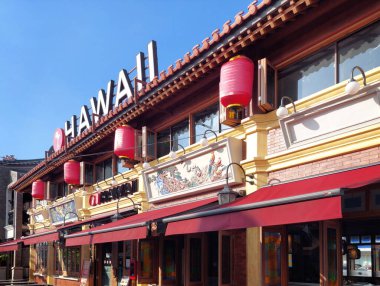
x: 226, y: 259
x: 195, y: 245
x: 67, y: 261
x: 104, y: 170
x: 41, y: 257
x: 163, y: 143
x: 272, y: 258
x: 120, y: 166
x: 303, y: 253
x: 180, y: 134
x: 169, y: 260
x: 207, y: 119
x: 146, y: 259
x: 308, y: 76
x: 360, y: 49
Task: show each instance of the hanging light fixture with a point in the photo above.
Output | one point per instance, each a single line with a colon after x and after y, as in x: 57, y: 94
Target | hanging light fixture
x: 71, y: 172
x: 204, y: 142
x: 124, y: 144
x: 173, y: 154
x: 353, y: 86
x: 146, y: 165
x: 38, y: 190
x: 282, y: 111
x: 227, y: 195
x: 236, y: 85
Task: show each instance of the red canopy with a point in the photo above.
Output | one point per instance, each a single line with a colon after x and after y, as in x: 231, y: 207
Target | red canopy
x: 40, y: 237
x: 133, y: 227
x: 311, y: 199
x: 10, y: 245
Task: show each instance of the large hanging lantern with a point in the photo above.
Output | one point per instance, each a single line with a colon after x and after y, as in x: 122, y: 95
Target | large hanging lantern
x: 71, y: 172
x: 236, y: 82
x: 124, y: 144
x: 38, y: 190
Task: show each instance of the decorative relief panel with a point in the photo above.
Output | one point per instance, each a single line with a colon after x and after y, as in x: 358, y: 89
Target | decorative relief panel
x: 340, y: 115
x: 195, y: 172
x: 63, y: 212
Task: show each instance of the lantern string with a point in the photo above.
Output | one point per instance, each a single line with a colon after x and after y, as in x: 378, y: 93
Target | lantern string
x: 149, y: 144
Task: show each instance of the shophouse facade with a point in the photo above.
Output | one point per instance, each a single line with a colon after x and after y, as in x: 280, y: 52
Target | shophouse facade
x: 275, y: 195
x: 14, y: 219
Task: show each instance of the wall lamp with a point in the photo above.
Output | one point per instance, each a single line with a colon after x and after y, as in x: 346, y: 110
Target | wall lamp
x: 125, y: 178
x: 282, y: 111
x: 146, y: 164
x: 353, y: 86
x: 117, y: 215
x: 204, y: 142
x: 173, y: 154
x: 227, y: 195
x: 64, y: 217
x: 97, y: 187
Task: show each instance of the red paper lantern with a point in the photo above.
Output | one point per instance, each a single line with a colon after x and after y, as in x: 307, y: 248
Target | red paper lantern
x: 124, y: 145
x: 38, y: 190
x: 71, y: 172
x: 236, y: 82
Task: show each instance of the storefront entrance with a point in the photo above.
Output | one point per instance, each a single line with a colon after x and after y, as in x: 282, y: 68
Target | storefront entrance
x: 302, y: 254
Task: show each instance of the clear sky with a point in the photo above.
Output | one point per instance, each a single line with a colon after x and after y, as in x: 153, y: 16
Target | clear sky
x: 56, y: 55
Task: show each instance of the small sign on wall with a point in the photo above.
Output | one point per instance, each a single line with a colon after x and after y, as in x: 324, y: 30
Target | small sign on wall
x: 124, y: 281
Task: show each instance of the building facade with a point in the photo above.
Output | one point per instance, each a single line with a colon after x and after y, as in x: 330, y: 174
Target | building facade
x: 13, y: 219
x: 180, y: 180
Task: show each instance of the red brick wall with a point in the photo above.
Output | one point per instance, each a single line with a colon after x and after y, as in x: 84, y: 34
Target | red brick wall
x: 65, y: 282
x: 40, y: 279
x: 337, y: 163
x: 239, y: 261
x: 276, y: 142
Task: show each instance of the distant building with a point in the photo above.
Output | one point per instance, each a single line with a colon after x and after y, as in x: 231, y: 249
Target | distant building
x: 13, y: 207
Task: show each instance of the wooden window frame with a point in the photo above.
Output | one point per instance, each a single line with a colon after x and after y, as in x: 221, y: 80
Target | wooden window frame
x: 188, y: 262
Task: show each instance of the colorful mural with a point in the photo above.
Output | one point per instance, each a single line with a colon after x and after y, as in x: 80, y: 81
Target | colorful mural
x: 65, y: 211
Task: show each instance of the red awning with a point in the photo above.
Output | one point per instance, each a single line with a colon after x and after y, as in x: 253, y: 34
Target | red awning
x: 10, y: 245
x: 133, y: 227
x: 311, y: 199
x: 40, y: 237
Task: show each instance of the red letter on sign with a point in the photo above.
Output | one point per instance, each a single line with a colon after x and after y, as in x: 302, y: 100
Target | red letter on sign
x: 94, y: 199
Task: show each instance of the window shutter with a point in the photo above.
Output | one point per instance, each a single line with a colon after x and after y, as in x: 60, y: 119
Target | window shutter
x: 86, y: 173
x: 149, y: 144
x: 266, y: 85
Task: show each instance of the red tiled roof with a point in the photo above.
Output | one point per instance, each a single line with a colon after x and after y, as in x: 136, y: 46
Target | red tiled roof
x: 187, y: 69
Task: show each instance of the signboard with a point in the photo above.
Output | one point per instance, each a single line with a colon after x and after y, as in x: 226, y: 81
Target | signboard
x: 124, y: 281
x: 65, y: 211
x: 195, y: 172
x: 85, y: 273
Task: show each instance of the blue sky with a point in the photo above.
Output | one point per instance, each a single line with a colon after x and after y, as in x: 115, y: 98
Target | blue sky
x: 56, y: 55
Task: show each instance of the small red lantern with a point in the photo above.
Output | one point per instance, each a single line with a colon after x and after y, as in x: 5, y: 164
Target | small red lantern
x: 38, y: 190
x: 124, y: 145
x: 71, y: 172
x: 236, y: 82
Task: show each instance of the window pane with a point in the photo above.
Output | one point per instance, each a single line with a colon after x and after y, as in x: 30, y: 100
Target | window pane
x: 180, y: 134
x: 146, y: 259
x: 120, y: 167
x: 303, y: 253
x: 226, y: 259
x: 332, y: 262
x: 163, y: 143
x: 169, y: 260
x: 272, y: 258
x: 108, y: 168
x: 195, y: 259
x: 207, y: 119
x: 360, y: 49
x: 308, y: 76
x: 99, y: 171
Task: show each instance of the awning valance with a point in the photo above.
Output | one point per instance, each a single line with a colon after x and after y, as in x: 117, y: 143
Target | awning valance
x: 312, y: 199
x: 132, y: 227
x: 10, y: 245
x: 40, y: 237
